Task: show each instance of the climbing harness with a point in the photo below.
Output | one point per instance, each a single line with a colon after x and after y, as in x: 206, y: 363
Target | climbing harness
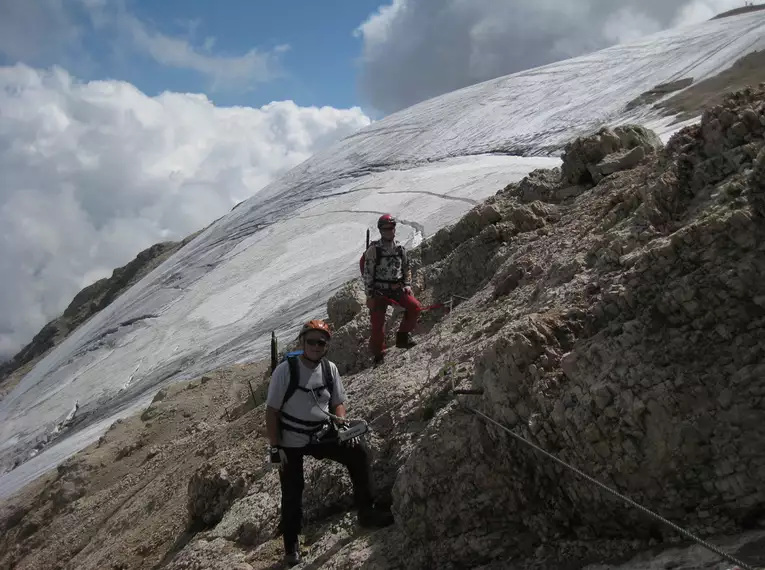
x: 313, y: 429
x: 355, y: 427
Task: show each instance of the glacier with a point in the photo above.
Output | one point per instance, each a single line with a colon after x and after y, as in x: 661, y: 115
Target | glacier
x: 275, y: 259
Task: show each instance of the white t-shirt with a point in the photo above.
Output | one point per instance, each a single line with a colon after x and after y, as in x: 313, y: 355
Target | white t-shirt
x: 302, y: 404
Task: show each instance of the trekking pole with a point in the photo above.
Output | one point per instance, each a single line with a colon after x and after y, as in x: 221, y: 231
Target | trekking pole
x: 367, y: 238
x: 274, y: 353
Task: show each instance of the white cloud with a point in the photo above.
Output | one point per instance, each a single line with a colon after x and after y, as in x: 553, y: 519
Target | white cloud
x: 223, y: 71
x: 95, y: 172
x: 700, y: 10
x: 32, y: 29
x: 417, y: 49
x: 40, y: 32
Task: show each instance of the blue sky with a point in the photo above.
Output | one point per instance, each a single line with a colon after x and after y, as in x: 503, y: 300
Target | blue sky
x: 319, y: 64
x: 97, y: 39
x: 252, y: 52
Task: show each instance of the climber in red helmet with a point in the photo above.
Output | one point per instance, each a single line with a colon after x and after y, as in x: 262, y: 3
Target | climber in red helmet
x: 388, y: 277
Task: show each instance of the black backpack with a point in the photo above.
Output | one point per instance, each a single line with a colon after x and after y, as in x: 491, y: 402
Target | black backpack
x: 400, y: 252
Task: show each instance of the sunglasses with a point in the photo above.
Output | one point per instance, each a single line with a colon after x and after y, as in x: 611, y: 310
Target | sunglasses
x: 388, y: 228
x: 316, y: 342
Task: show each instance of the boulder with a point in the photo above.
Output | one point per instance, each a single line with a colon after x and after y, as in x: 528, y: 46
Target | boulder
x: 617, y: 162
x: 11, y: 516
x: 211, y: 492
x: 348, y: 302
x: 68, y: 492
x: 252, y: 519
x: 469, y: 226
x: 539, y: 184
x: 583, y: 158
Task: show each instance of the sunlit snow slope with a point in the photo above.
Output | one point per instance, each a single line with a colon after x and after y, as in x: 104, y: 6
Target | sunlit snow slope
x: 274, y: 260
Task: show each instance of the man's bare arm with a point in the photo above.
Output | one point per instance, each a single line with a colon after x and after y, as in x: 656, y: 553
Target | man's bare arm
x: 272, y: 425
x: 340, y: 411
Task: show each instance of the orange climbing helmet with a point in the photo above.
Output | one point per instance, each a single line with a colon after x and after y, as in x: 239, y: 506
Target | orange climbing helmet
x: 315, y: 325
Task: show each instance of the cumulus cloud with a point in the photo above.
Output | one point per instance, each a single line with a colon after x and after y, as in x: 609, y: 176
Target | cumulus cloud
x: 47, y: 31
x: 95, y: 172
x: 417, y: 49
x: 224, y: 71
x: 33, y: 29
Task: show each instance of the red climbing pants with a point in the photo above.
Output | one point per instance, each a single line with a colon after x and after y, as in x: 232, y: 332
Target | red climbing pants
x: 377, y: 315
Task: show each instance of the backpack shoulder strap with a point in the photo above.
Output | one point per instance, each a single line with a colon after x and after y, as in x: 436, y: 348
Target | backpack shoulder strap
x: 292, y: 362
x: 326, y: 375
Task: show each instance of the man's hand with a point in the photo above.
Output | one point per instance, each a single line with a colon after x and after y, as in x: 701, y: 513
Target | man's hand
x: 278, y: 456
x: 408, y: 290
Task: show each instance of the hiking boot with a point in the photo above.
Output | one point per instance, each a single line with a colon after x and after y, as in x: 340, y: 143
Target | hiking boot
x: 291, y: 553
x: 375, y: 518
x: 292, y: 558
x: 403, y: 340
x: 378, y: 360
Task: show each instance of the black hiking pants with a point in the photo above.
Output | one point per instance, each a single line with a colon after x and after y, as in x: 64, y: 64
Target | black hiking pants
x: 355, y: 458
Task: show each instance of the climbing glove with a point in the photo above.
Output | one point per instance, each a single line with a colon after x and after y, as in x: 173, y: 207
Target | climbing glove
x: 278, y: 456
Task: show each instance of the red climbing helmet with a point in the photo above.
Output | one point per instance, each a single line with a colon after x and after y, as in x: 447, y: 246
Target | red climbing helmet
x: 386, y: 220
x: 316, y: 325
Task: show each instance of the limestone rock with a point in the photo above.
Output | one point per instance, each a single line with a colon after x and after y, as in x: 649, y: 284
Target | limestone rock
x: 584, y: 158
x: 252, y: 519
x: 539, y: 184
x: 159, y: 396
x: 349, y: 346
x: 68, y: 492
x: 757, y: 179
x: 214, y: 554
x: 617, y: 162
x: 633, y: 136
x: 523, y: 218
x: 11, y: 516
x: 348, y: 302
x: 468, y: 227
x: 653, y: 95
x: 211, y: 493
x: 129, y: 449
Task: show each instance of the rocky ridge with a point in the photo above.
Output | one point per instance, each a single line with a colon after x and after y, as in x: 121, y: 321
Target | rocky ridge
x: 85, y: 304
x: 612, y: 313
